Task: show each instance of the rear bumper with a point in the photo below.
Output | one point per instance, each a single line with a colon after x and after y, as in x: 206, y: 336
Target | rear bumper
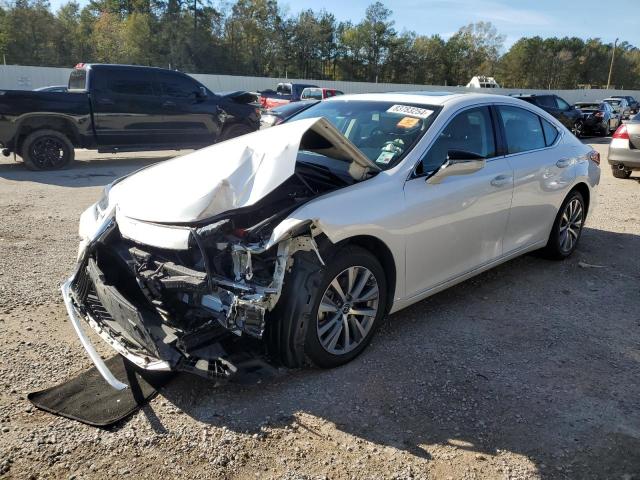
x: 628, y: 157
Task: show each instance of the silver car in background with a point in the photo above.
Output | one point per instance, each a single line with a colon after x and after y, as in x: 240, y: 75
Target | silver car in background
x: 305, y: 235
x: 624, y: 149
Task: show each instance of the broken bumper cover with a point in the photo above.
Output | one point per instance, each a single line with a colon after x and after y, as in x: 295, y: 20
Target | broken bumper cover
x: 75, y: 318
x: 121, y: 324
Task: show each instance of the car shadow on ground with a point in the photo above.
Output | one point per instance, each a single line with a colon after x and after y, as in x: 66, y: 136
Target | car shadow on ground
x: 486, y: 366
x: 82, y: 173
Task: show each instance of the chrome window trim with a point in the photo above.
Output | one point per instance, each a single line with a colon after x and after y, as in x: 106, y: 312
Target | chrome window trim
x: 412, y: 173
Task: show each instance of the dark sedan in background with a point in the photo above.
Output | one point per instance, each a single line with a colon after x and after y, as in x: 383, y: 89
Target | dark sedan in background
x: 598, y: 118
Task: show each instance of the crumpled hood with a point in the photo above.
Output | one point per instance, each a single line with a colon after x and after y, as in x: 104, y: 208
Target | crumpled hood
x: 229, y: 175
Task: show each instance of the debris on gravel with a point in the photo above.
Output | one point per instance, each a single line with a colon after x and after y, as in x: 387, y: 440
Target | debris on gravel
x: 527, y: 371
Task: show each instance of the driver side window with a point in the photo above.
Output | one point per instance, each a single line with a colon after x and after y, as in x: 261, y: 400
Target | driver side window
x: 469, y: 131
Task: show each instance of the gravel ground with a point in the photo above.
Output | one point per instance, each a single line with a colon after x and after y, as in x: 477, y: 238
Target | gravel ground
x: 527, y: 371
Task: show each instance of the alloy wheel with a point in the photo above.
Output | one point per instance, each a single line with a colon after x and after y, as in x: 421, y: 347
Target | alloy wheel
x: 48, y: 152
x: 578, y: 128
x: 347, y: 310
x: 570, y: 225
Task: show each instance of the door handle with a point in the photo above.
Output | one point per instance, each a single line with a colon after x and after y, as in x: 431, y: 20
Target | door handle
x: 501, y: 180
x: 105, y: 101
x: 169, y: 103
x: 563, y: 163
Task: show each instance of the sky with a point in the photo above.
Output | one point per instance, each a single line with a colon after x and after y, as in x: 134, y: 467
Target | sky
x: 514, y: 19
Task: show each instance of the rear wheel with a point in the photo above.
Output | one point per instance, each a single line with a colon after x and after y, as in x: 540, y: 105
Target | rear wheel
x: 47, y: 150
x: 578, y: 128
x: 620, y: 171
x: 327, y: 316
x: 234, y: 130
x: 567, y: 227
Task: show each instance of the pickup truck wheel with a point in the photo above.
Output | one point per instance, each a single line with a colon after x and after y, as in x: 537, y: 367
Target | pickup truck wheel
x: 234, y: 130
x: 47, y: 150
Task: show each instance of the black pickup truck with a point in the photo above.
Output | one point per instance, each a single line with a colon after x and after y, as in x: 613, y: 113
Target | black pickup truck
x: 120, y: 108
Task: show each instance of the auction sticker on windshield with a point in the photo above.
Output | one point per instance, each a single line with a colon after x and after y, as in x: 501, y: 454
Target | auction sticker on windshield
x: 410, y: 111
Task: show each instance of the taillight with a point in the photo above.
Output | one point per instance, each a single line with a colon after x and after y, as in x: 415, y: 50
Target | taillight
x: 594, y: 157
x: 621, y: 133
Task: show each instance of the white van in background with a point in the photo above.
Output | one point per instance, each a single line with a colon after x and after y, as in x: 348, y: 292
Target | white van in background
x: 483, y: 82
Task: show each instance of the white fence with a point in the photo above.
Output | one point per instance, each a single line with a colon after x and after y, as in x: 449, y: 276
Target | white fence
x: 28, y: 78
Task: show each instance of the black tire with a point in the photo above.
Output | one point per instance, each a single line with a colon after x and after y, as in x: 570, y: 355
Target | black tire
x: 292, y: 329
x: 234, y: 130
x: 620, y: 172
x: 47, y: 150
x: 556, y: 247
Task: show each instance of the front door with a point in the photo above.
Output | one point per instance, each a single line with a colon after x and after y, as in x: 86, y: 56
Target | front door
x: 457, y: 225
x: 190, y: 119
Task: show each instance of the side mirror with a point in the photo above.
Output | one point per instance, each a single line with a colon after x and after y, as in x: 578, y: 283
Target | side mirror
x: 459, y: 162
x: 201, y: 92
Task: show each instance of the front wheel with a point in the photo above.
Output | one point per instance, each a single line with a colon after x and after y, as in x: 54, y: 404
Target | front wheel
x: 567, y: 227
x: 330, y: 315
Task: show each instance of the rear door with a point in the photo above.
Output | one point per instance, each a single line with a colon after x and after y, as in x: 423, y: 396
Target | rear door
x: 190, y: 119
x: 127, y: 108
x: 542, y: 169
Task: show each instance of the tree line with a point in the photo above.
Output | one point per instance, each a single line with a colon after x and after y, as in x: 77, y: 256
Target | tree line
x: 258, y: 37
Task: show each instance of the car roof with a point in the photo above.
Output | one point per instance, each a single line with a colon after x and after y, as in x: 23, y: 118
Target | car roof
x: 423, y: 97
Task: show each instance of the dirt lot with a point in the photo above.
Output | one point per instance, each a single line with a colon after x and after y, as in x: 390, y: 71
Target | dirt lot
x: 528, y: 371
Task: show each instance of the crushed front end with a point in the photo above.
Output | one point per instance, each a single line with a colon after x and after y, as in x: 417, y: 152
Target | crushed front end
x: 182, y: 308
x: 180, y: 260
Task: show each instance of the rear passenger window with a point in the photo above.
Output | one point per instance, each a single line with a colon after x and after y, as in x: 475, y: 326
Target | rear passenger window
x: 550, y: 132
x: 129, y: 82
x: 469, y: 131
x: 177, y: 86
x: 522, y: 129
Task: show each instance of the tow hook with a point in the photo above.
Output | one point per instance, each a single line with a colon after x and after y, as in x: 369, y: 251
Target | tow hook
x: 6, y: 152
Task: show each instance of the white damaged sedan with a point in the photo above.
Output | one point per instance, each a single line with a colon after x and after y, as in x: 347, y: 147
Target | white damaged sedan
x: 306, y: 234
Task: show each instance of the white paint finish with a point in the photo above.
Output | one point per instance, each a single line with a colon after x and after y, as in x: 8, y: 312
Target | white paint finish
x: 540, y: 186
x: 437, y: 233
x: 454, y: 226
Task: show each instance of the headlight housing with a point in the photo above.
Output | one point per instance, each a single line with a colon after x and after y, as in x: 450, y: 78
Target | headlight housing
x: 103, y: 202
